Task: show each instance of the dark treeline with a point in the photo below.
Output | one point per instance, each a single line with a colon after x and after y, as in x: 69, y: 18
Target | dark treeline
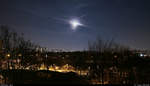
x: 101, y: 59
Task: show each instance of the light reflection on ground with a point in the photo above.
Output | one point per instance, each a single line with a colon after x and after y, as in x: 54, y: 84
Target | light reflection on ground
x: 64, y: 69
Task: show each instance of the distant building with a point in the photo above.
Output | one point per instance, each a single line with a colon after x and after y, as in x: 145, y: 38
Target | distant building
x: 142, y: 53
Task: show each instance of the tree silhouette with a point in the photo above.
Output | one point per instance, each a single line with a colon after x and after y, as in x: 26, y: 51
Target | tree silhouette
x: 106, y: 54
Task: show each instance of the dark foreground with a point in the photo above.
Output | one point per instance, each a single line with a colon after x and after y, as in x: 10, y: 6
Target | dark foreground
x: 41, y: 77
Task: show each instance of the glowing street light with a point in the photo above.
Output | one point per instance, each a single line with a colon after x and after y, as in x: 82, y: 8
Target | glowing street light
x: 7, y: 55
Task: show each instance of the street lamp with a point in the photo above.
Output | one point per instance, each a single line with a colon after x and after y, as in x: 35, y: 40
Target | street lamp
x: 7, y: 55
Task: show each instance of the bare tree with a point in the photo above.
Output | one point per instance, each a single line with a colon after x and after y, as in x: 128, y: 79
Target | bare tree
x: 104, y: 57
x: 16, y: 45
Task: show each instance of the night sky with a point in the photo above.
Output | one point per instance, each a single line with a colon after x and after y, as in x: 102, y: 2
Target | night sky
x: 44, y: 21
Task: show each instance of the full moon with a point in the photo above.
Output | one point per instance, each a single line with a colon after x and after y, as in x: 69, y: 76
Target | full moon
x: 75, y: 23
